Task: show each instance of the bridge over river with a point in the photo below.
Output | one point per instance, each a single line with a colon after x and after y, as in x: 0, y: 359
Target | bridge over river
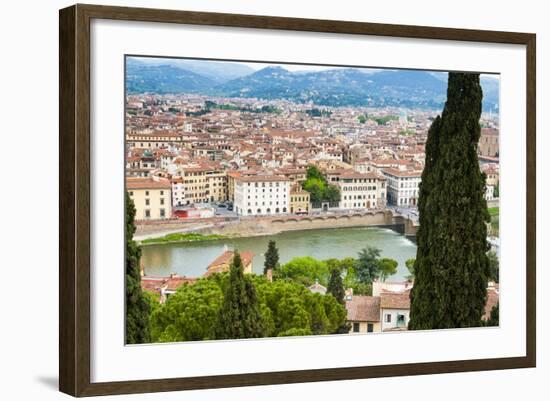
x: 264, y: 225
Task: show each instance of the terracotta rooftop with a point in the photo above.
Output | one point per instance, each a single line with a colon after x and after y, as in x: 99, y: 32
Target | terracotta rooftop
x: 220, y: 264
x: 363, y: 308
x: 357, y: 175
x: 403, y: 173
x: 262, y: 178
x: 395, y: 300
x: 172, y: 283
x: 147, y: 183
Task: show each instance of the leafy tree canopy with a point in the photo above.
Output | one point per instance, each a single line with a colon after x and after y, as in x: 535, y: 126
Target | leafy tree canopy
x: 286, y: 309
x: 387, y: 267
x: 367, y: 267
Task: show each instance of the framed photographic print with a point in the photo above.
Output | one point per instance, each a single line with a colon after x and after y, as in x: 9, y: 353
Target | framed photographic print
x: 299, y: 200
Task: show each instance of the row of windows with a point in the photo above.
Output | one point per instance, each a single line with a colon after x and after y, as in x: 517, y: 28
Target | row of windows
x: 356, y: 326
x: 299, y: 199
x: 263, y: 203
x: 148, y: 202
x: 256, y: 184
x: 148, y: 213
x: 367, y: 205
x: 369, y: 188
x: 146, y: 193
x: 359, y: 180
x: 400, y: 318
x: 270, y: 190
x: 359, y: 197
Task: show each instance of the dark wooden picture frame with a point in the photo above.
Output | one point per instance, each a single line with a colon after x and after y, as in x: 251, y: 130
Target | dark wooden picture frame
x: 74, y: 199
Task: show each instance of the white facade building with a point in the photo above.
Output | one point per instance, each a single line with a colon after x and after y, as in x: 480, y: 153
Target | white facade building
x: 362, y: 190
x: 261, y: 195
x: 395, y: 304
x: 403, y: 186
x: 178, y: 192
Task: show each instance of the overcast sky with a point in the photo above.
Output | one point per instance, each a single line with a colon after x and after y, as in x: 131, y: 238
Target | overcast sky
x: 289, y: 67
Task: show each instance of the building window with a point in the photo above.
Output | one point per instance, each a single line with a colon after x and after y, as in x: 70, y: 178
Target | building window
x: 162, y: 213
x: 147, y: 213
x: 162, y: 201
x: 146, y: 202
x: 162, y: 192
x: 356, y: 327
x: 400, y: 320
x: 388, y: 318
x: 131, y: 193
x: 370, y: 327
x: 146, y: 193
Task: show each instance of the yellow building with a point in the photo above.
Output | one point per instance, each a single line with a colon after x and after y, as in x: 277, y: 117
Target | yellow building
x: 216, y: 185
x: 363, y: 314
x: 299, y: 200
x: 152, y: 197
x: 223, y: 262
x: 204, y: 184
x: 492, y: 176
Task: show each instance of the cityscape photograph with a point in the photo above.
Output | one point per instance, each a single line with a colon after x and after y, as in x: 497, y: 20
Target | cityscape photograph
x: 279, y: 200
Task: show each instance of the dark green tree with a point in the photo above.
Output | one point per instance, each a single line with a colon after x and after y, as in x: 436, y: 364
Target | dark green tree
x: 331, y: 194
x: 138, y: 308
x: 336, y: 286
x: 410, y: 267
x: 271, y: 256
x: 240, y: 314
x: 451, y: 268
x: 388, y: 267
x: 493, y: 318
x: 367, y: 268
x: 314, y: 172
x: 318, y: 187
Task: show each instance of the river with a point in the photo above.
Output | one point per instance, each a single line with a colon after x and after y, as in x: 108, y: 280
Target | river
x: 191, y: 259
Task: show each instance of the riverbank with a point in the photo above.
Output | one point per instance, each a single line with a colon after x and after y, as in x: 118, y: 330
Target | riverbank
x: 178, y: 238
x: 271, y: 225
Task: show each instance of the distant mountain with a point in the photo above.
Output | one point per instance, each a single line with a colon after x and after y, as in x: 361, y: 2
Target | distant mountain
x: 141, y: 77
x: 334, y: 87
x: 342, y: 87
x: 217, y: 71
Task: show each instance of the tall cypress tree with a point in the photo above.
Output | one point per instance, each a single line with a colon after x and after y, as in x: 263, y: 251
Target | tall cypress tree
x: 138, y: 309
x: 271, y: 256
x: 336, y: 286
x: 451, y: 267
x: 239, y: 315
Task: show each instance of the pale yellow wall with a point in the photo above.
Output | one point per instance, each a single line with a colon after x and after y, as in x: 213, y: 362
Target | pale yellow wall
x: 363, y: 327
x: 299, y: 202
x: 155, y: 196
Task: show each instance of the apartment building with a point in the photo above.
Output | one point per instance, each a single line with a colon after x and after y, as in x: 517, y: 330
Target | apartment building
x: 299, y: 200
x: 261, y: 195
x: 362, y: 190
x: 403, y: 186
x: 204, y: 184
x: 152, y: 140
x: 151, y: 196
